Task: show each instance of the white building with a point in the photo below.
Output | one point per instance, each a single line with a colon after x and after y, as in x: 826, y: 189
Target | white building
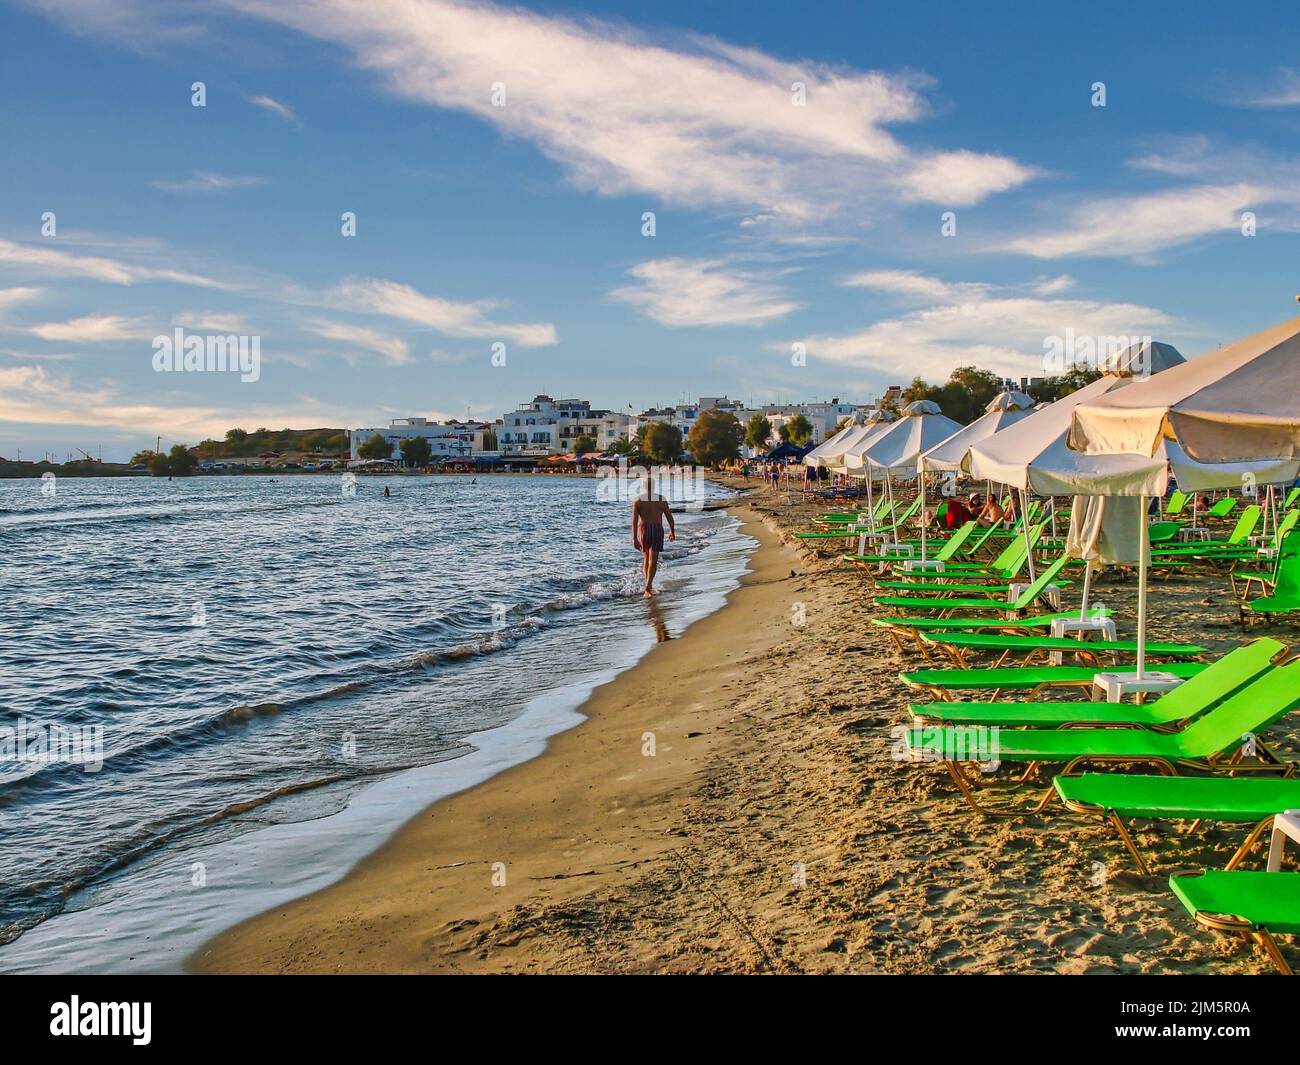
x: 547, y: 426
x: 447, y: 440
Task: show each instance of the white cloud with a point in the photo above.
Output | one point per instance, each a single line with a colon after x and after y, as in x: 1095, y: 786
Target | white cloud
x: 704, y: 123
x: 395, y: 300
x: 394, y: 349
x: 703, y: 292
x: 913, y: 285
x: 981, y: 325
x: 1284, y: 91
x: 213, y: 322
x: 95, y: 329
x: 208, y: 181
x: 114, y: 271
x: 12, y: 297
x: 32, y: 395
x: 268, y: 103
x: 1138, y: 226
x: 962, y: 178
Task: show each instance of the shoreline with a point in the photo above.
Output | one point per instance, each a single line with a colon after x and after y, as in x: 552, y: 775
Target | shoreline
x: 773, y: 831
x: 590, y: 805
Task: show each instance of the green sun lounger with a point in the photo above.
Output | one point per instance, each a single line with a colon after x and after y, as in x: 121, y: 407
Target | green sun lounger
x: 1026, y: 598
x: 958, y: 644
x: 1220, y: 729
x: 946, y: 548
x: 1010, y: 559
x: 941, y: 683
x: 907, y: 632
x: 1239, y: 536
x: 1222, y: 508
x: 1291, y: 498
x: 1238, y: 667
x: 1286, y: 592
x: 1120, y: 797
x: 1177, y: 501
x: 1254, y: 904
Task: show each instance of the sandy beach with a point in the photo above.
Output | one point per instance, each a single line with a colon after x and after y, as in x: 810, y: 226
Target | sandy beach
x: 731, y: 805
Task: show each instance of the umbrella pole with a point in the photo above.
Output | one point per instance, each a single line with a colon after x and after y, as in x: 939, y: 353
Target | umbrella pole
x: 1144, y: 563
x: 1024, y: 528
x: 1053, y: 513
x: 1087, y: 584
x: 920, y: 477
x: 893, y: 511
x: 871, y: 506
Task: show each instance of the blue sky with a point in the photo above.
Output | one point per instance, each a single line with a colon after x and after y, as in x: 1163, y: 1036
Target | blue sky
x: 521, y: 224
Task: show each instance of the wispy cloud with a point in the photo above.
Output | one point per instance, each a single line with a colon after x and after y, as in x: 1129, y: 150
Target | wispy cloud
x: 395, y: 350
x: 1282, y: 91
x: 1142, y: 225
x: 59, y: 262
x: 972, y: 323
x: 202, y: 181
x: 458, y: 319
x: 95, y: 329
x: 703, y: 292
x: 33, y: 395
x: 12, y: 297
x: 269, y: 103
x: 700, y: 123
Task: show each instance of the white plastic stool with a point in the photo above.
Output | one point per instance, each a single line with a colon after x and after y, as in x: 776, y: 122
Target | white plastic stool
x: 1103, y: 628
x: 1117, y: 685
x: 1285, y: 826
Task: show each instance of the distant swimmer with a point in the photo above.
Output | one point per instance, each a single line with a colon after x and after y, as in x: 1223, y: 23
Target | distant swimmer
x: 648, y: 513
x: 387, y: 493
x: 474, y: 481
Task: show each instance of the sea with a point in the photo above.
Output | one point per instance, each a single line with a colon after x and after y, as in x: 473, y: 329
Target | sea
x: 221, y: 692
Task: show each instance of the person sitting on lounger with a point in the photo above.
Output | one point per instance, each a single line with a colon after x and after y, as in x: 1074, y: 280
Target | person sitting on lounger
x: 990, y: 513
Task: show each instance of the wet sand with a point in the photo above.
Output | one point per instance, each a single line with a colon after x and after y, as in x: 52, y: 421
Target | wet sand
x: 731, y: 805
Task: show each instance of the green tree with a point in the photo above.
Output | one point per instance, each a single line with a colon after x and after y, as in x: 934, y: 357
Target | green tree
x: 375, y: 447
x: 800, y: 430
x: 417, y: 451
x: 622, y: 446
x: 158, y: 464
x: 663, y: 442
x: 980, y: 385
x: 181, y: 460
x: 584, y: 445
x: 236, y: 438
x: 758, y: 431
x: 489, y: 440
x: 840, y: 426
x: 143, y: 457
x: 715, y: 437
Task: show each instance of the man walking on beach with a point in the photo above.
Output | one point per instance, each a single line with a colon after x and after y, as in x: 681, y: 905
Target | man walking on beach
x: 648, y: 513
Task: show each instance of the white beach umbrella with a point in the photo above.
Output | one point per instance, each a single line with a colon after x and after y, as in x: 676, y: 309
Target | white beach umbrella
x: 829, y: 445
x: 1142, y: 359
x: 1229, y: 417
x: 1010, y: 401
x: 894, y: 453
x: 1238, y: 403
x: 949, y: 453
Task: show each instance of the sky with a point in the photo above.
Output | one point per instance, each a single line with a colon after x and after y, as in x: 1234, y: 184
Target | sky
x: 842, y: 195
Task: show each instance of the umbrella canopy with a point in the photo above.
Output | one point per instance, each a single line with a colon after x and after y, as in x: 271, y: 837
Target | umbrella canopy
x: 1010, y: 401
x: 896, y: 450
x: 786, y: 450
x: 1239, y: 403
x: 879, y: 414
x: 862, y: 438
x: 948, y: 454
x: 830, y: 446
x: 1142, y: 360
x: 1009, y: 456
